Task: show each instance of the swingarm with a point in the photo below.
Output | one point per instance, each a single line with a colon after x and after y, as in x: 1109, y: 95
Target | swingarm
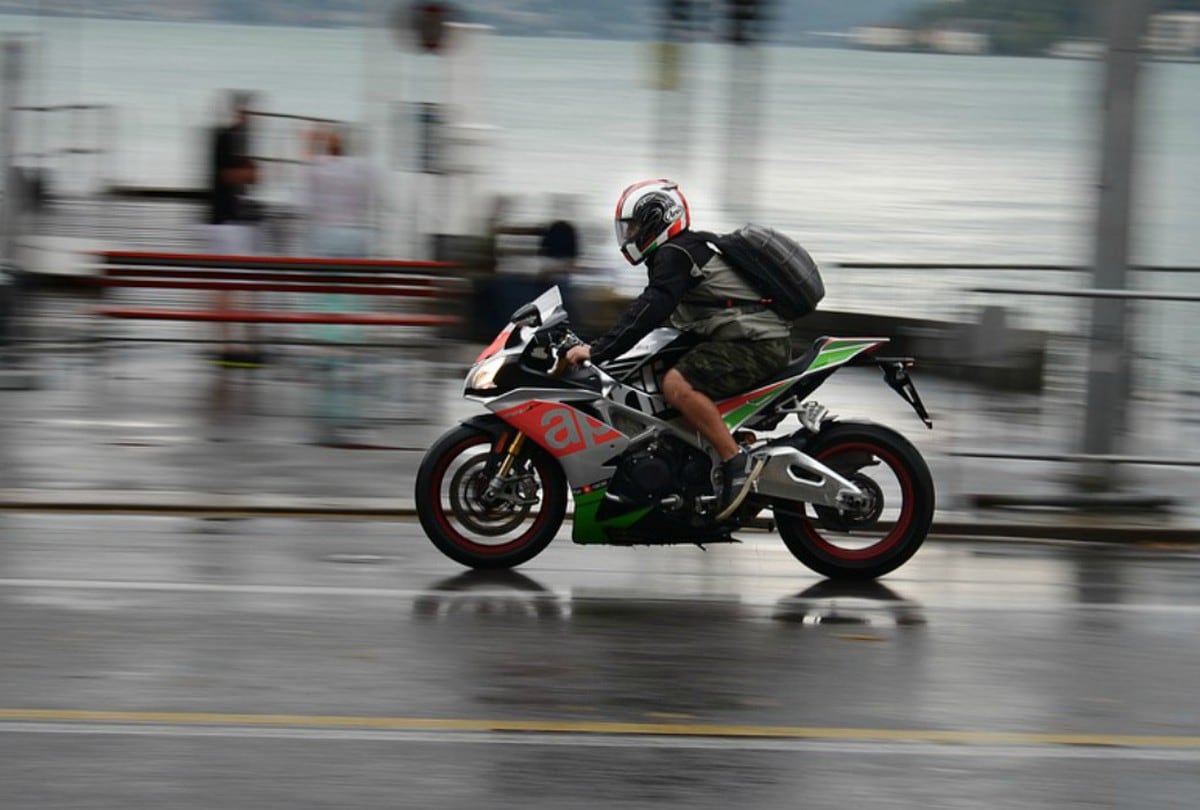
x: 796, y: 476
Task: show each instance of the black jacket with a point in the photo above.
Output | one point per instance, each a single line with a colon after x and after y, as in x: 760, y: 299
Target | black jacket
x: 670, y: 278
x: 226, y: 203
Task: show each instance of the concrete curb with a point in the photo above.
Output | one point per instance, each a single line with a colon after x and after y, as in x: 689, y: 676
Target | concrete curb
x: 947, y: 526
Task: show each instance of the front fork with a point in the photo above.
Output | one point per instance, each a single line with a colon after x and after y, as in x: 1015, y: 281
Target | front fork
x: 498, y: 481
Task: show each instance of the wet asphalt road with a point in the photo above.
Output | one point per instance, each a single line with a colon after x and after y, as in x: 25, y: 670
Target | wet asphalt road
x: 188, y: 663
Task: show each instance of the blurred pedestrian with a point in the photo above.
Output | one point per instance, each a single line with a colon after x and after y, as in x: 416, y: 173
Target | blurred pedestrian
x: 559, y: 245
x: 340, y: 198
x: 339, y: 201
x: 559, y: 252
x: 233, y: 222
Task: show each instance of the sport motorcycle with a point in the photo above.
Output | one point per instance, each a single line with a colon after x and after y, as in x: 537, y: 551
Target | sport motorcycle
x: 850, y: 499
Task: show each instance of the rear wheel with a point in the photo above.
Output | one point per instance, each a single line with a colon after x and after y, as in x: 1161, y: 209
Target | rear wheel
x: 499, y: 529
x: 885, y: 528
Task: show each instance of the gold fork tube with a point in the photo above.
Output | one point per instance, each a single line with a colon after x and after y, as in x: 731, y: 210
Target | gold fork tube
x: 513, y: 450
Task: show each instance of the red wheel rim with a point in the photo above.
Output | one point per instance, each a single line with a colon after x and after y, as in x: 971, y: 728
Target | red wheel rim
x: 903, y: 520
x: 448, y: 528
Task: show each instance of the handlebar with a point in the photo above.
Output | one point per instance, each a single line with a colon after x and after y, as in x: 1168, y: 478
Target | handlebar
x: 568, y: 341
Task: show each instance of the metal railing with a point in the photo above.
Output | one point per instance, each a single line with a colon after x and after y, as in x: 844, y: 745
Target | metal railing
x: 1164, y: 369
x: 74, y: 144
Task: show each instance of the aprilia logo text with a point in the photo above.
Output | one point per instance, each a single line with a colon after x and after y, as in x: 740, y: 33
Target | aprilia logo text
x: 559, y: 428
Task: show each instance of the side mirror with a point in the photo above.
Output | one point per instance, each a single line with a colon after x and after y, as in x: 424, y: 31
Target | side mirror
x: 527, y: 315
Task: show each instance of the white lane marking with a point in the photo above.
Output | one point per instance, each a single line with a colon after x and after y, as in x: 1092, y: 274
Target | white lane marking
x: 626, y: 741
x: 748, y: 600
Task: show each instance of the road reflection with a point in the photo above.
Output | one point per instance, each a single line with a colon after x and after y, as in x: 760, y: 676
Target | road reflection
x: 855, y: 603
x: 489, y: 593
x: 515, y: 595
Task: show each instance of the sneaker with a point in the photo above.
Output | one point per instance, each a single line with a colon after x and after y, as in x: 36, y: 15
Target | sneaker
x: 735, y: 480
x: 737, y: 475
x: 734, y: 474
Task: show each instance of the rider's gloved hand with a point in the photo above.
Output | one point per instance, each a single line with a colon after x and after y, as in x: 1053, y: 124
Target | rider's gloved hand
x: 578, y: 354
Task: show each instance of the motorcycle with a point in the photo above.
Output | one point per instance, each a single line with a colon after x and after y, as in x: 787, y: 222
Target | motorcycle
x: 850, y: 499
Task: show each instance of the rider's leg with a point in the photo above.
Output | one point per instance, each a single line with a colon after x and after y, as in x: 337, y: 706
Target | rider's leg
x: 701, y: 412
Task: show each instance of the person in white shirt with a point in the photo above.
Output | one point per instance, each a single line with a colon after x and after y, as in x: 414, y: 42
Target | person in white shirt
x: 339, y: 200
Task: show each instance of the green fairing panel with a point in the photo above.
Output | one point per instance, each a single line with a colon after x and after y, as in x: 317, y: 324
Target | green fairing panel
x: 586, y: 529
x: 741, y: 414
x: 837, y: 352
x: 834, y: 353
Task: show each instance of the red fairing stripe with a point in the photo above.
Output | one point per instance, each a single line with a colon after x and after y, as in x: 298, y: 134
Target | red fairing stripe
x: 725, y: 406
x: 496, y: 345
x: 560, y: 429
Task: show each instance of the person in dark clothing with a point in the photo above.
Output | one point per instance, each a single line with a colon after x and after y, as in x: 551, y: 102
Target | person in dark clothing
x: 743, y: 342
x: 231, y: 171
x: 232, y: 229
x: 559, y: 242
x: 226, y: 164
x: 559, y: 252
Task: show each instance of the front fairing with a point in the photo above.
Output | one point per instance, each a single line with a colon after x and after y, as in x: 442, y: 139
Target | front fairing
x: 515, y: 358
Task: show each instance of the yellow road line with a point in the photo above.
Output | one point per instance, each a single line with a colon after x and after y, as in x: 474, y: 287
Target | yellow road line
x: 917, y: 735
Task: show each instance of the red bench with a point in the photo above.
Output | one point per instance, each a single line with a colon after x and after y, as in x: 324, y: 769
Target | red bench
x: 278, y: 274
x: 276, y: 316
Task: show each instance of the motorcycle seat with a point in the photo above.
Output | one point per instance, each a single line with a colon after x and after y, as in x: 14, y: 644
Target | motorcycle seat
x: 798, y: 364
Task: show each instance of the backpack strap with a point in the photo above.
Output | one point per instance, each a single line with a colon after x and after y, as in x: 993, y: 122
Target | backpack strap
x: 697, y: 273
x: 747, y: 307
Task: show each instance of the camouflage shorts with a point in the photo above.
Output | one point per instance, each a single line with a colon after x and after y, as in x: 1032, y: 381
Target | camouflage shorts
x: 722, y: 368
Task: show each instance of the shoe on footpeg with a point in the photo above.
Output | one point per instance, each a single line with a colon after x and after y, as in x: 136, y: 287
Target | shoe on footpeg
x: 738, y: 475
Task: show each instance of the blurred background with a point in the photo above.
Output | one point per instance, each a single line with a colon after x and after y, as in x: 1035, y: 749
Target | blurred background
x: 250, y: 248
x: 943, y: 160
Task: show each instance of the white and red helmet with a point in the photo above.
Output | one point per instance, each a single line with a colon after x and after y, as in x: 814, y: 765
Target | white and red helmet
x: 648, y: 214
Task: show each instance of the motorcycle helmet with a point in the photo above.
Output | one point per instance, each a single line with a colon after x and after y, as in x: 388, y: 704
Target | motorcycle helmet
x: 648, y: 214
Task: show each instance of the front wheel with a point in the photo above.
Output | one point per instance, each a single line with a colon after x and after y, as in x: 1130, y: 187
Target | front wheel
x: 499, y: 529
x: 885, y: 528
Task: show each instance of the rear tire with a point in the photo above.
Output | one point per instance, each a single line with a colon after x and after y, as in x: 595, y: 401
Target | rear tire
x: 500, y: 534
x: 888, y: 530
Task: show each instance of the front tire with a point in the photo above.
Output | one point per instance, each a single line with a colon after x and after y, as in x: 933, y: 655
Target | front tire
x: 465, y: 525
x: 887, y: 529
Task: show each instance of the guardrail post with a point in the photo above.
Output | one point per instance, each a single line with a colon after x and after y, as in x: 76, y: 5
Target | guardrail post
x: 10, y: 210
x: 10, y: 78
x: 9, y: 75
x: 1108, y: 366
x: 747, y: 21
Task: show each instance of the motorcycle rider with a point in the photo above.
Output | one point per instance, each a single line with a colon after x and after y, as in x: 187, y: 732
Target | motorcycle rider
x: 743, y: 342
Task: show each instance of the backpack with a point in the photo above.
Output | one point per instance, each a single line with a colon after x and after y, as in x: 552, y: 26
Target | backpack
x: 776, y: 266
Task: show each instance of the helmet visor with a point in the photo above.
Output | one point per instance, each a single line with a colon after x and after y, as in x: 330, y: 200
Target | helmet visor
x: 627, y: 229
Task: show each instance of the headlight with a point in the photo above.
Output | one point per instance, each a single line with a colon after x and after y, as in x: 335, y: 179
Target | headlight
x: 483, y: 376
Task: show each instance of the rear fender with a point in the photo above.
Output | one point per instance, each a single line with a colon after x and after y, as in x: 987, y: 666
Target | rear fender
x: 895, y: 373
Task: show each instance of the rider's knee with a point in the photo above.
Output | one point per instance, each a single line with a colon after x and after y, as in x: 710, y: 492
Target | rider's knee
x: 675, y: 388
